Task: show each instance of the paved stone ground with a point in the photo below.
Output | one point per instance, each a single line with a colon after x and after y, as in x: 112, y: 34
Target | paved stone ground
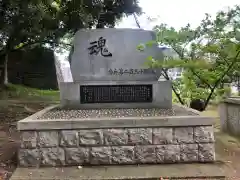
x: 228, y: 149
x: 10, y: 112
x: 123, y: 172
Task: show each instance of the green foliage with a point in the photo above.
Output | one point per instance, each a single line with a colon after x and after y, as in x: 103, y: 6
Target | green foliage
x: 26, y: 93
x: 209, y: 54
x: 189, y: 87
x: 174, y: 98
x: 24, y: 23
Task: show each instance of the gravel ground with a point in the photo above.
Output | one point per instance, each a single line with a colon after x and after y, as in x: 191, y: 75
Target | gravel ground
x: 114, y: 113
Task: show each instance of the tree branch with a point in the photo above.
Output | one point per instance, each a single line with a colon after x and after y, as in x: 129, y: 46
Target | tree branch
x: 221, y: 77
x: 173, y: 88
x: 199, y: 77
x: 27, y: 44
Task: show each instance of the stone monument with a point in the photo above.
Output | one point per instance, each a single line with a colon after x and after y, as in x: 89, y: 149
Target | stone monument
x: 63, y: 70
x: 115, y: 111
x: 109, y: 71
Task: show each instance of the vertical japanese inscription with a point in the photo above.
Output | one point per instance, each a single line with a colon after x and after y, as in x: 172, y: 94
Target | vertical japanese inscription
x: 97, y: 47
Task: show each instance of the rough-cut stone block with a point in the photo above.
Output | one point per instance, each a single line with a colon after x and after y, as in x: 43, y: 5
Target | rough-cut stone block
x: 69, y: 138
x: 145, y: 154
x: 77, y: 156
x: 28, y: 139
x: 172, y: 153
x: 123, y: 155
x: 48, y: 138
x: 206, y: 152
x: 168, y: 153
x: 91, y: 137
x: 52, y: 156
x: 115, y: 136
x: 204, y: 134
x: 183, y: 135
x: 160, y: 153
x: 189, y: 152
x: 100, y: 155
x: 162, y: 135
x: 29, y: 157
x: 233, y: 117
x: 140, y: 136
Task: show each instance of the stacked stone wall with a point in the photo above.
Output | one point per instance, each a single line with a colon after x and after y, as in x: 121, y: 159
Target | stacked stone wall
x: 144, y: 145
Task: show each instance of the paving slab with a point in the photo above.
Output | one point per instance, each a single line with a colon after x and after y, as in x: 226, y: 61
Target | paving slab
x: 171, y: 171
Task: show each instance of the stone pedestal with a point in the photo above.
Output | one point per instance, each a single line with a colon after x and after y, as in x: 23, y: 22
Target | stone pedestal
x: 182, y: 138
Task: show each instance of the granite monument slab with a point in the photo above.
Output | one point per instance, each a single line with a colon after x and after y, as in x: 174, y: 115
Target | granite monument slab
x: 108, y: 71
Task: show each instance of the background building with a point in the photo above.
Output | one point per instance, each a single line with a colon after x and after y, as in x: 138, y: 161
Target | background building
x: 169, y: 53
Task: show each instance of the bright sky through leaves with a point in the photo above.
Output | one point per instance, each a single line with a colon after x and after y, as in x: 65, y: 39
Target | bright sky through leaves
x: 176, y: 13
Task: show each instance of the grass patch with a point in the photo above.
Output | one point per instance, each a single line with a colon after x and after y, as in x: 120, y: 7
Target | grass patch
x: 212, y: 111
x: 18, y: 102
x: 19, y: 92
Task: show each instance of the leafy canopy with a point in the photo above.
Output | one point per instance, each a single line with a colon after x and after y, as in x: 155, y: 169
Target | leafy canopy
x: 27, y: 22
x: 209, y: 54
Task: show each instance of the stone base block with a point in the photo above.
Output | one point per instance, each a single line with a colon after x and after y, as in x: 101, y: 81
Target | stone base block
x: 116, y: 141
x: 117, y: 146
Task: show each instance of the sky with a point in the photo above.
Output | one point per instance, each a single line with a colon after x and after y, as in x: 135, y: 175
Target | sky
x: 176, y: 13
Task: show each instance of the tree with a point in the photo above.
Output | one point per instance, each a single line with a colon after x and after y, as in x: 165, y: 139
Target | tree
x: 25, y: 23
x: 106, y: 12
x: 209, y: 54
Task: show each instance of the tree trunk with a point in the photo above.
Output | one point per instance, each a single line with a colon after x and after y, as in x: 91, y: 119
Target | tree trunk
x: 165, y: 74
x: 100, y: 25
x: 5, y: 81
x: 136, y: 21
x: 238, y: 86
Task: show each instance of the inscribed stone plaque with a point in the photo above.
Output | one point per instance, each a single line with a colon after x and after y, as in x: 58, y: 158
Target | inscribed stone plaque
x: 116, y: 93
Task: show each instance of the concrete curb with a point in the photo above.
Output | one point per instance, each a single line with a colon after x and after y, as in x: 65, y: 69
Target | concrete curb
x: 144, y: 172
